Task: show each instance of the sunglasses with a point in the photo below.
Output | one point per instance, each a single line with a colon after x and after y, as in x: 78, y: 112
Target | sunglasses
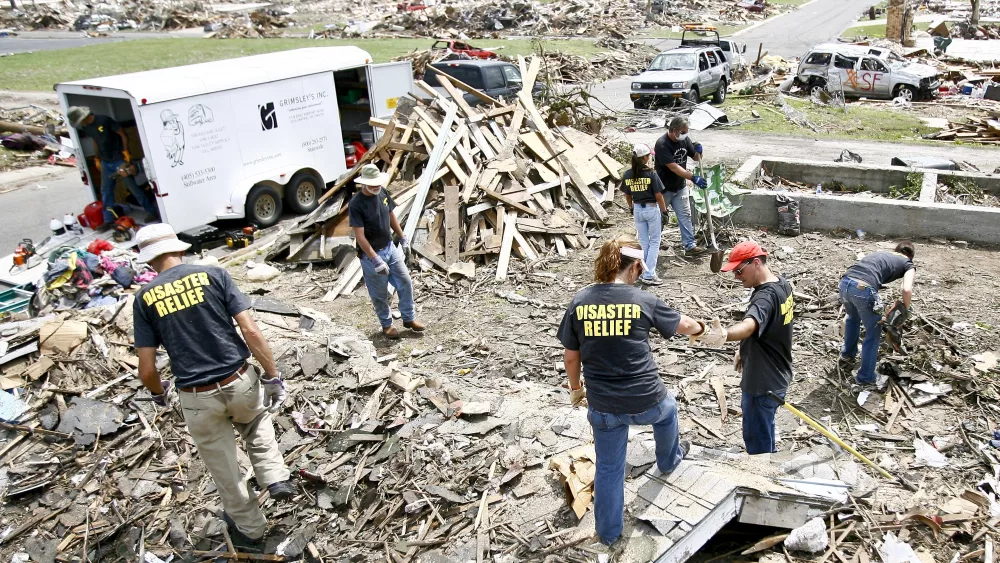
x: 744, y: 264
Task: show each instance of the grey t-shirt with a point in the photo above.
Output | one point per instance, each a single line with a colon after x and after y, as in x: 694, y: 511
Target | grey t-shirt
x: 880, y: 268
x: 767, y: 353
x: 609, y: 324
x: 190, y: 310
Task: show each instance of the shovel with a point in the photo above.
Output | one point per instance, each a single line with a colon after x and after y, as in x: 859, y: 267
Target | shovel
x: 717, y: 253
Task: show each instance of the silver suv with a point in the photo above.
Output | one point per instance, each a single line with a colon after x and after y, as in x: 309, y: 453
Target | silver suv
x: 870, y: 72
x: 692, y: 73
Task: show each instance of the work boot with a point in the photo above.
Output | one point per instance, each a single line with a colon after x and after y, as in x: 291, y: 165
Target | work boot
x: 685, y: 447
x: 414, y: 325
x: 282, y: 490
x: 845, y: 363
x: 241, y: 541
x: 391, y: 332
x: 694, y: 251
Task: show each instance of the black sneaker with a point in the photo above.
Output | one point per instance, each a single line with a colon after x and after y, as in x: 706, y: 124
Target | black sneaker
x: 241, y: 541
x: 844, y: 362
x: 685, y: 447
x: 282, y: 490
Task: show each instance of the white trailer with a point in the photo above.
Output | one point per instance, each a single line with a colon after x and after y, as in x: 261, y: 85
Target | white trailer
x: 239, y: 138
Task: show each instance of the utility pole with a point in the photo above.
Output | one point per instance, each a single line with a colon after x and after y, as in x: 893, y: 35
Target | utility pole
x: 975, y: 12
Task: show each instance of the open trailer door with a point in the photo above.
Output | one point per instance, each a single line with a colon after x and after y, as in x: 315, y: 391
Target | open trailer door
x: 387, y: 83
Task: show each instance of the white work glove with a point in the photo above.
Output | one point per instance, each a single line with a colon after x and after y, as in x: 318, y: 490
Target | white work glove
x: 381, y: 268
x: 713, y: 337
x: 164, y: 399
x: 738, y: 362
x: 578, y: 397
x: 404, y: 245
x: 274, y: 393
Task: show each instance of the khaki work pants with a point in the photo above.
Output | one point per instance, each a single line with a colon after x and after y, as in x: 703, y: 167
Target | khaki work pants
x: 211, y: 417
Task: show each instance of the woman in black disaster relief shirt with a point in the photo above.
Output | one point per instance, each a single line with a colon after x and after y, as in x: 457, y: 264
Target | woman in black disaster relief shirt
x: 644, y: 194
x: 607, y: 328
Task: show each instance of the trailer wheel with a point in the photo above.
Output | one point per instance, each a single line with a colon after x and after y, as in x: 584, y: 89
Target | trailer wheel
x: 302, y: 193
x: 263, y: 206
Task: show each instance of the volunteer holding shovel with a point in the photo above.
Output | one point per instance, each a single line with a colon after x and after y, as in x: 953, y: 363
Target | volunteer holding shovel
x: 606, y: 329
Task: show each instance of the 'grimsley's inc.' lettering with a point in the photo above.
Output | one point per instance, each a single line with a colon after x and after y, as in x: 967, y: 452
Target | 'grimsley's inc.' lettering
x: 613, y: 319
x: 174, y: 296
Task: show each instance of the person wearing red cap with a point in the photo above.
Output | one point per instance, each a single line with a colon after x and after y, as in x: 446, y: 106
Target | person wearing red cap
x: 765, y: 336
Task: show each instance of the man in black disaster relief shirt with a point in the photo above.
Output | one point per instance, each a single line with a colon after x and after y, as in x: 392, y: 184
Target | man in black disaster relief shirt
x: 606, y: 328
x: 765, y: 335
x: 189, y: 310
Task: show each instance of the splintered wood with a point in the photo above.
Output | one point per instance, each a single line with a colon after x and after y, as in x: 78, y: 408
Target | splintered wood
x: 481, y: 180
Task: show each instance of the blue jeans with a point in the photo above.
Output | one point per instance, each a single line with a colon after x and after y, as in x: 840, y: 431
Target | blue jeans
x: 610, y: 442
x: 648, y: 224
x: 378, y: 285
x: 758, y: 422
x: 681, y: 202
x: 861, y: 303
x: 108, y: 168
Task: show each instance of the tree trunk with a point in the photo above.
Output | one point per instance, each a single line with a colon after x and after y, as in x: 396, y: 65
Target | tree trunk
x: 975, y: 12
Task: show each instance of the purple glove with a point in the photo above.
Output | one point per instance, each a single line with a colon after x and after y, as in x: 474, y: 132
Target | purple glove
x: 381, y: 268
x: 274, y: 393
x: 163, y: 399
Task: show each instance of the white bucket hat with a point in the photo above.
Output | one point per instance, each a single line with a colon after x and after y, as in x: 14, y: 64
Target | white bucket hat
x: 158, y: 239
x: 372, y: 176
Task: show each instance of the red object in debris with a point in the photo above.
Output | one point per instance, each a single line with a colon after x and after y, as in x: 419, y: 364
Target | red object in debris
x: 753, y: 5
x: 359, y: 149
x: 465, y: 49
x: 411, y: 6
x: 94, y: 215
x: 98, y: 246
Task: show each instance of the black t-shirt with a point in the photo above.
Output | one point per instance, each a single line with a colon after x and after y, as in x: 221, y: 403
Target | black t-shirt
x: 677, y: 152
x: 880, y: 268
x: 644, y: 188
x: 767, y: 354
x: 372, y: 213
x: 104, y: 132
x: 609, y: 324
x: 189, y: 310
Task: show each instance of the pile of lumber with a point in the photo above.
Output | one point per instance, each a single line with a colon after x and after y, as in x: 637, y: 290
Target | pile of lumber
x: 976, y: 130
x: 473, y: 185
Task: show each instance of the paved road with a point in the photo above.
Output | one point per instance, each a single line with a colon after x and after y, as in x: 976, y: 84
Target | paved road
x: 23, y: 45
x: 789, y: 35
x: 25, y: 212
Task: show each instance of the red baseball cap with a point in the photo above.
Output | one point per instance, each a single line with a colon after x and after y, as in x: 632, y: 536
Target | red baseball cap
x: 741, y: 253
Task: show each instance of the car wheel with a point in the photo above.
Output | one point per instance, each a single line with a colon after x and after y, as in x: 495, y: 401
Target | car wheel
x: 720, y: 94
x: 263, y: 206
x: 692, y: 96
x: 906, y: 92
x: 302, y: 192
x: 816, y: 87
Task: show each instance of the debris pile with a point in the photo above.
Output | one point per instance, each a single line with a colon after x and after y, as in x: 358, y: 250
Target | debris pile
x: 258, y: 24
x: 954, y: 189
x: 474, y: 184
x: 979, y: 130
x: 104, y: 18
x: 30, y: 135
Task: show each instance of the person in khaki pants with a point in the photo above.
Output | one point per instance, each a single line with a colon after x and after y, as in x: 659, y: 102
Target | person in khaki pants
x: 190, y: 311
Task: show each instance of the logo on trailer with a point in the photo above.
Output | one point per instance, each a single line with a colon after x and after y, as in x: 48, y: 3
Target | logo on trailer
x: 268, y: 117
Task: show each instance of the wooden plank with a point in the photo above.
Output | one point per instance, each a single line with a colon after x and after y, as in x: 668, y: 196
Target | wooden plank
x: 430, y: 256
x: 380, y: 123
x: 467, y: 110
x: 430, y: 170
x: 590, y: 202
x: 501, y: 111
x: 466, y: 88
x: 481, y: 142
x: 503, y: 263
x: 345, y: 277
x: 532, y: 190
x: 494, y: 143
x: 561, y: 246
x: 396, y: 158
x: 504, y: 199
x: 408, y: 147
x: 512, y: 134
x: 480, y: 207
x: 452, y: 228
x: 524, y: 245
x: 477, y: 174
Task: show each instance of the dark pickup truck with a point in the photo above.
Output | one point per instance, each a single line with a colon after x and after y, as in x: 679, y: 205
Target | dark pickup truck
x: 496, y: 79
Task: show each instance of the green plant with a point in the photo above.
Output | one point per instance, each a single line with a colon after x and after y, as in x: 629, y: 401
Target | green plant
x: 620, y: 151
x: 911, y: 191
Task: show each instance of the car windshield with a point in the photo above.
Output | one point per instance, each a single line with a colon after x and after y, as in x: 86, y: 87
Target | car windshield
x: 674, y: 61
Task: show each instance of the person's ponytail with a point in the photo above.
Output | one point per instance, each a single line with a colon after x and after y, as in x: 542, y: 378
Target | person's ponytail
x: 610, y: 260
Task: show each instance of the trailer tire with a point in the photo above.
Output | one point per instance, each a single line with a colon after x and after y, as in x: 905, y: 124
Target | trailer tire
x: 302, y: 193
x: 263, y: 206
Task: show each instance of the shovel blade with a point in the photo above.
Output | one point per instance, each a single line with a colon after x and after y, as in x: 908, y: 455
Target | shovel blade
x: 716, y: 263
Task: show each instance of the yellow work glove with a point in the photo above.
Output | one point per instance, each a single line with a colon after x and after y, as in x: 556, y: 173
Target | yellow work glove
x: 97, y: 164
x: 126, y: 155
x: 578, y: 397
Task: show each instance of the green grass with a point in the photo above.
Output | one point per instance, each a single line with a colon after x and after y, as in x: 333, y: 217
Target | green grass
x: 860, y: 122
x: 875, y: 30
x: 41, y: 70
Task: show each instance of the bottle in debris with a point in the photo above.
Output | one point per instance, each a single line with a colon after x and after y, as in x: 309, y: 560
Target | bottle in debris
x: 57, y: 227
x: 71, y: 225
x: 819, y: 188
x: 861, y: 234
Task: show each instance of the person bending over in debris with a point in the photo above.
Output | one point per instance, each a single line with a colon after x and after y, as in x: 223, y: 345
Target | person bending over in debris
x: 859, y: 294
x: 672, y: 151
x: 606, y: 327
x: 190, y: 311
x: 382, y: 262
x: 111, y: 150
x: 765, y: 335
x: 644, y: 194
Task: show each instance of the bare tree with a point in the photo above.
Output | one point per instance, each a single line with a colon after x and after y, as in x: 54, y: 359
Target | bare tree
x: 975, y: 12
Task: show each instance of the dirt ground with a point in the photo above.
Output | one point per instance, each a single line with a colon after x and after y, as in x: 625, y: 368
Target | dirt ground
x: 479, y: 340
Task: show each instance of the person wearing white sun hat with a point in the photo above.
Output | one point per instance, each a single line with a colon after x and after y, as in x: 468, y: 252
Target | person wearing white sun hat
x: 190, y: 310
x: 382, y: 262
